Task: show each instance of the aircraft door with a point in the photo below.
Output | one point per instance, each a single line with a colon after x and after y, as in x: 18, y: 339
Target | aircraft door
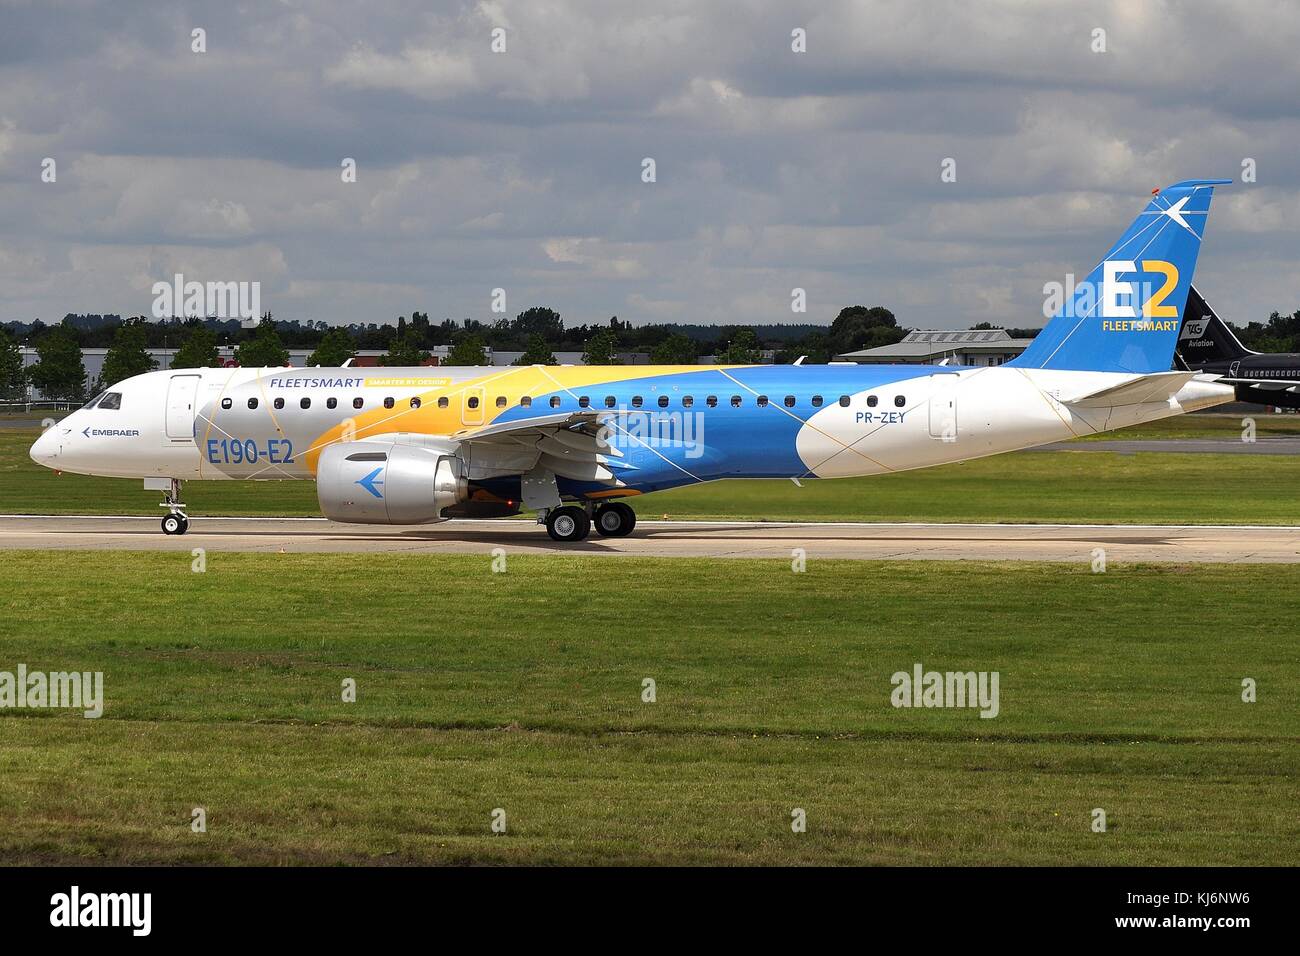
x: 943, y: 406
x: 182, y: 392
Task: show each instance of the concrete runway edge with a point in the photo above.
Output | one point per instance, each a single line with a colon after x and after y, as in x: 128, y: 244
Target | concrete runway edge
x: 682, y: 539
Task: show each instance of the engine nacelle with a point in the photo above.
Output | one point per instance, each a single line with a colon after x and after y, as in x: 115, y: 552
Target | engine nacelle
x: 367, y: 482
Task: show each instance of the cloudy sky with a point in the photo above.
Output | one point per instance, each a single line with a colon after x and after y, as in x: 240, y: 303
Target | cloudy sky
x: 523, y: 169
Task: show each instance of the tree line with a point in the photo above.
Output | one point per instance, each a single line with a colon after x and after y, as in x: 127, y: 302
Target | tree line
x: 539, y: 332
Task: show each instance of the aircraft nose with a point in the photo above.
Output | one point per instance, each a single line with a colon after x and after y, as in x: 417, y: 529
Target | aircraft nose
x: 46, y: 448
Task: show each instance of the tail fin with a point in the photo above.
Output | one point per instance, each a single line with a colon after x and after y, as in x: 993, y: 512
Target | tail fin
x: 1205, y: 337
x: 1125, y: 316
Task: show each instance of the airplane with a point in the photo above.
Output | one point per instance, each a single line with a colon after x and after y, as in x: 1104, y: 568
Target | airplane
x: 402, y: 446
x: 1206, y: 344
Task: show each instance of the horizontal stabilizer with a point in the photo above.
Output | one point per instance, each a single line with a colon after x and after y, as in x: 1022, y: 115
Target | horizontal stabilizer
x: 1138, y: 390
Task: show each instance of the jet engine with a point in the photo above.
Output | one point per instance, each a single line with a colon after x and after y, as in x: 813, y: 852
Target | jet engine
x: 368, y: 482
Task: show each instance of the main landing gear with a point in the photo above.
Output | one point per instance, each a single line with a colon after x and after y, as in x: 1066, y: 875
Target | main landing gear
x: 176, y: 521
x: 615, y: 519
x: 573, y: 523
x: 569, y: 523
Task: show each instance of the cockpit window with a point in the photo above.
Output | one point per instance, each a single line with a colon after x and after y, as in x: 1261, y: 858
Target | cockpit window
x: 111, y: 401
x: 94, y: 401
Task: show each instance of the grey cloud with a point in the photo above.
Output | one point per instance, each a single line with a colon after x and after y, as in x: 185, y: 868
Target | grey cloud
x: 522, y: 170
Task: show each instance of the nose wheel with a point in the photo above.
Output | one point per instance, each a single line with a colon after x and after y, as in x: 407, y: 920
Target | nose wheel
x: 176, y: 521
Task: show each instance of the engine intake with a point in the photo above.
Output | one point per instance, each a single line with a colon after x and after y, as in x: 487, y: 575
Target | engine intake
x: 382, y: 483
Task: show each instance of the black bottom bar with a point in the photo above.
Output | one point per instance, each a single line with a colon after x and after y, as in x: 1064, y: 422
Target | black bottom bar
x: 365, y: 905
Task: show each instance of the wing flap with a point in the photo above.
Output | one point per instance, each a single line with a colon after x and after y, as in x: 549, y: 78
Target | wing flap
x: 566, y: 444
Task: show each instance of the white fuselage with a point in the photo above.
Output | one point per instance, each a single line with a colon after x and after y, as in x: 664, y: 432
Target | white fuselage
x: 227, y: 423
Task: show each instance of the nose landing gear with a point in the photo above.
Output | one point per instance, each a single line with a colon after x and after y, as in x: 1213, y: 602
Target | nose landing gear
x: 176, y: 521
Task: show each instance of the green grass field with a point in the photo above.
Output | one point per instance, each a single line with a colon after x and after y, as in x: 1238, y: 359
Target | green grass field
x: 1092, y: 488
x: 1206, y: 425
x: 522, y: 691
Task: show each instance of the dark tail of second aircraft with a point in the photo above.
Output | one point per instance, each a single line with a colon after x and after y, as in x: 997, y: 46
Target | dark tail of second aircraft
x: 1207, y: 344
x: 1205, y: 338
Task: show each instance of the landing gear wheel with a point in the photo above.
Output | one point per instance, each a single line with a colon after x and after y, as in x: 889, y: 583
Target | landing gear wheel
x: 175, y: 524
x: 615, y: 520
x: 568, y: 524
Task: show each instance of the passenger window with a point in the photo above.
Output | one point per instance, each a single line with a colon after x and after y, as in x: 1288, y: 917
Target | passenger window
x: 610, y: 401
x: 226, y: 403
x: 663, y: 401
x: 526, y: 401
x: 442, y: 402
x: 471, y: 402
x: 501, y: 401
x: 711, y: 401
x: 389, y: 403
x: 872, y: 401
x: 735, y: 401
x: 844, y: 401
x: 331, y: 402
x: 555, y: 401
x: 112, y: 401
x: 900, y: 401
x: 304, y: 403
x: 278, y: 403
x: 584, y: 401
x: 358, y: 402
x: 415, y: 402
x: 789, y: 401
x: 636, y: 401
x: 816, y: 401
x: 687, y: 401
x: 252, y: 403
x: 762, y: 401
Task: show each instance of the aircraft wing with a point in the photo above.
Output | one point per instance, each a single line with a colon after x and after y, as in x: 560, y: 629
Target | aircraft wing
x: 569, y: 444
x: 539, y: 426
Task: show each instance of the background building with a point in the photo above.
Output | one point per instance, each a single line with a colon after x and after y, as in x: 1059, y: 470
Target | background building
x: 969, y: 347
